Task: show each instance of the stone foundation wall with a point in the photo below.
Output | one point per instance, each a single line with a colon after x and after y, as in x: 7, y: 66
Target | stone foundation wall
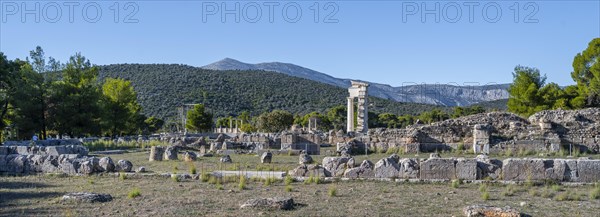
x: 480, y: 168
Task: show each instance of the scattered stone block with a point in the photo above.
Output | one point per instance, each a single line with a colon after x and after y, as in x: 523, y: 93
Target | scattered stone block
x: 226, y: 159
x: 335, y: 166
x: 156, y: 153
x: 387, y: 167
x: 305, y: 159
x: 87, y: 197
x: 170, y: 153
x: 266, y: 157
x: 124, y: 166
x: 409, y: 168
x: 189, y: 156
x: 275, y: 203
x: 490, y: 211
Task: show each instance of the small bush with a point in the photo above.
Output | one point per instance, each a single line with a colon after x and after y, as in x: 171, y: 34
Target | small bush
x: 288, y: 180
x: 534, y: 193
x: 332, y: 192
x: 192, y: 168
x: 135, y: 192
x: 455, y: 183
x: 268, y: 182
x: 90, y: 181
x: 220, y: 186
x: 242, y: 184
x: 175, y: 178
x: 485, y: 195
x: 509, y: 191
x: 204, y: 177
x: 212, y: 180
x: 556, y: 188
x: 595, y: 193
x: 288, y: 188
x: 483, y: 187
x: 317, y: 180
x: 122, y: 176
x: 309, y: 180
x: 547, y: 193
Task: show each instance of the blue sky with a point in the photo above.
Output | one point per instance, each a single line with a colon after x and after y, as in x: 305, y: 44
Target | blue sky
x: 378, y: 41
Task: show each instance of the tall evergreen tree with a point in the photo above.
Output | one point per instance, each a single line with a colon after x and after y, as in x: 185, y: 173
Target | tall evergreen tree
x: 586, y: 72
x: 74, y: 103
x: 120, y: 106
x: 198, y: 119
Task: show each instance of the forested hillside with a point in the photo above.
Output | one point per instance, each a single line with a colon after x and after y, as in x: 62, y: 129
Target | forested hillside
x: 164, y: 87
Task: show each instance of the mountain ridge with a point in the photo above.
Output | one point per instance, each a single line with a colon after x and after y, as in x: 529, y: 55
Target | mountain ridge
x: 436, y: 94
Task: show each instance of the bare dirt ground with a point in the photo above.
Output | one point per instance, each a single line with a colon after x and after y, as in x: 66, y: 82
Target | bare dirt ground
x: 39, y: 195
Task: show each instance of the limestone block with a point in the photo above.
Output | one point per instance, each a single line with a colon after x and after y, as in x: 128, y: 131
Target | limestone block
x: 466, y: 169
x: 438, y: 168
x: 335, y: 166
x: 589, y: 170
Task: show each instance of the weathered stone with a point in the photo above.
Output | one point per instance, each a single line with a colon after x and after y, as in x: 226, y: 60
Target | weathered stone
x: 350, y: 163
x: 438, y: 168
x: 486, y: 167
x: 305, y: 159
x: 106, y: 164
x: 434, y: 155
x: 86, y: 167
x: 87, y: 197
x: 335, y: 166
x: 409, y: 168
x: 170, y: 153
x: 365, y: 170
x: 307, y: 171
x: 589, y: 170
x: 141, y: 170
x: 226, y: 159
x: 523, y: 169
x: 490, y: 211
x: 156, y: 153
x: 466, y: 169
x: 266, y: 157
x: 189, y: 156
x: 124, y: 166
x: 275, y: 203
x: 387, y: 167
x: 220, y: 138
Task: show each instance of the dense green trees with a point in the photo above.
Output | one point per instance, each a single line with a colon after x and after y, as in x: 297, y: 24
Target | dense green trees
x: 529, y: 92
x: 198, y: 119
x: 41, y: 96
x: 275, y: 121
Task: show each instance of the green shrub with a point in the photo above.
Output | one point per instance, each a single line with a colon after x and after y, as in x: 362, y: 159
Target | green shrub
x: 122, y: 176
x: 135, y: 192
x: 175, y: 178
x: 547, y: 193
x: 213, y: 180
x: 534, y: 193
x: 455, y: 183
x: 485, y: 195
x: 317, y: 180
x: 483, y: 187
x: 220, y: 186
x: 242, y: 184
x: 204, y: 177
x: 509, y: 190
x: 309, y: 180
x: 268, y: 182
x: 288, y: 180
x: 332, y: 192
x: 556, y: 188
x: 192, y: 168
x: 595, y: 193
x: 288, y: 188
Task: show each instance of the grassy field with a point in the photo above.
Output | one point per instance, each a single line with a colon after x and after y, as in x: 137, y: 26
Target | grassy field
x: 38, y: 195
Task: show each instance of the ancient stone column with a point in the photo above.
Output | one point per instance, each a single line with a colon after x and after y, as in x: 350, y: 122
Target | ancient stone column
x: 350, y: 115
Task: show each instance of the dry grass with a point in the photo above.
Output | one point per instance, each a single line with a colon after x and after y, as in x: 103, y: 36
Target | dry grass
x: 37, y: 195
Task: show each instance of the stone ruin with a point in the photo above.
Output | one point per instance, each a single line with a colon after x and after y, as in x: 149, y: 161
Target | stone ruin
x: 495, y: 132
x: 358, y: 90
x: 68, y: 159
x: 581, y: 170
